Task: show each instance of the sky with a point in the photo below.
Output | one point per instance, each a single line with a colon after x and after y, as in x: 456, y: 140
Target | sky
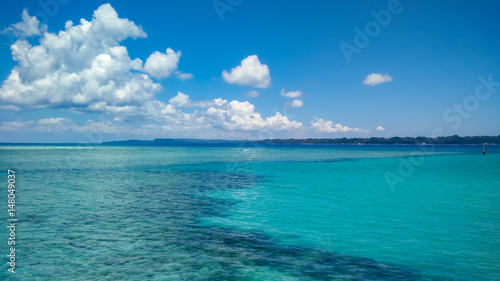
x: 92, y: 71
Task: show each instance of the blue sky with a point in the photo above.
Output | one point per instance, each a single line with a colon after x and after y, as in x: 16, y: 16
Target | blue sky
x: 431, y: 69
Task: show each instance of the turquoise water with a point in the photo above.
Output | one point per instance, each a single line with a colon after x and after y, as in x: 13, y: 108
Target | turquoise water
x: 255, y: 213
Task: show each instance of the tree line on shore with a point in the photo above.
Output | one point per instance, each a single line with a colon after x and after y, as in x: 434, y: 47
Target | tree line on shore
x: 450, y: 140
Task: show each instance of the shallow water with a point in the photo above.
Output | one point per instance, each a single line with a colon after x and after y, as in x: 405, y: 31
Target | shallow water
x: 256, y: 213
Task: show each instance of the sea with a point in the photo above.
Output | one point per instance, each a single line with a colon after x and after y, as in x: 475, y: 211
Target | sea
x: 340, y: 212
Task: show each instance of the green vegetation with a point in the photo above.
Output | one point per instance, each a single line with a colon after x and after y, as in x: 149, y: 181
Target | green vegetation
x: 450, y: 140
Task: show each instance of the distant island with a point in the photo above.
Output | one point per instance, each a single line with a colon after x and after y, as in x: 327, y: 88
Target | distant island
x: 449, y: 140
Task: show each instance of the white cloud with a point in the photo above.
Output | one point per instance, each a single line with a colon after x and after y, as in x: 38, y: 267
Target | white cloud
x: 250, y: 73
x: 291, y: 94
x: 220, y: 116
x: 253, y: 94
x: 295, y: 103
x: 237, y: 115
x: 181, y: 100
x: 376, y: 78
x: 30, y: 26
x: 321, y: 125
x: 107, y: 26
x: 380, y: 129
x: 84, y: 67
x: 162, y: 65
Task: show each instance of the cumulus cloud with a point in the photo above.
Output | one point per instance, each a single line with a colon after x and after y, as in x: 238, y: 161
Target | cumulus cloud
x: 291, y: 94
x: 84, y: 67
x: 253, y: 94
x: 376, y: 78
x: 321, y: 125
x: 236, y: 115
x: 30, y: 26
x: 250, y: 73
x: 380, y: 129
x: 183, y: 100
x: 79, y: 66
x: 296, y: 103
x: 162, y: 65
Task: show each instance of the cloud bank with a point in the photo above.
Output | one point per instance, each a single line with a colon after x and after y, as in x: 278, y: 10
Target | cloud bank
x: 82, y: 66
x: 321, y: 125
